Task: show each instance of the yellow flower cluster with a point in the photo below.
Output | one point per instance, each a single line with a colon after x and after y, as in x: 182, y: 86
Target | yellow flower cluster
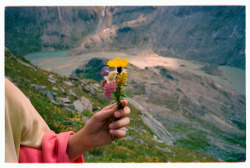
x: 118, y: 62
x: 58, y: 109
x: 155, y: 158
x: 126, y: 149
x: 122, y: 76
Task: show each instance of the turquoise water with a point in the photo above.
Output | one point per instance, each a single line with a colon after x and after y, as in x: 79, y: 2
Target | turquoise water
x: 33, y: 56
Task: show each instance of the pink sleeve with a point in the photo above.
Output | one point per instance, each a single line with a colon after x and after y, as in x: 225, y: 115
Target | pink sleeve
x: 54, y: 148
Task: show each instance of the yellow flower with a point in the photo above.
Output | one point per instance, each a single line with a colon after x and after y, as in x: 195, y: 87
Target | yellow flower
x: 118, y: 62
x: 123, y: 76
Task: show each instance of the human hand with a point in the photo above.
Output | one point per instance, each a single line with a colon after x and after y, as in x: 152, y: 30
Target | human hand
x: 98, y: 130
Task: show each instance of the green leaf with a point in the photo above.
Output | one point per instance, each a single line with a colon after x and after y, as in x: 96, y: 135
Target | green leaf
x: 124, y: 95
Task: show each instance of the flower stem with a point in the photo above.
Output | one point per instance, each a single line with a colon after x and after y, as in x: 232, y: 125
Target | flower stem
x: 119, y: 89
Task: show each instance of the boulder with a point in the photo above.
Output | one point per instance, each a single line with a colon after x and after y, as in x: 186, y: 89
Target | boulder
x: 68, y: 83
x: 50, y: 95
x: 63, y: 100
x: 78, y: 106
x: 69, y: 106
x: 154, y: 137
x: 52, y: 79
x: 38, y: 87
x: 54, y: 88
x: 84, y: 81
x: 87, y: 103
x: 85, y: 119
x: 63, y: 91
x: 92, y: 88
x: 71, y: 92
x: 56, y: 103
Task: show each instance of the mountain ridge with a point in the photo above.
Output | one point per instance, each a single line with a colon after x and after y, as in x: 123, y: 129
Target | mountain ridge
x: 211, y: 34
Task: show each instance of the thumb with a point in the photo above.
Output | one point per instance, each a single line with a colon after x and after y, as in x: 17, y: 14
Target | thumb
x: 124, y: 103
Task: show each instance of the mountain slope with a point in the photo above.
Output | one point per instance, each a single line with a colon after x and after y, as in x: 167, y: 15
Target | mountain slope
x: 197, y: 112
x: 210, y: 34
x: 54, y: 97
x: 34, y: 29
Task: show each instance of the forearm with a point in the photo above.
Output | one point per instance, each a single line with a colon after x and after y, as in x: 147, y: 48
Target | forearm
x: 78, y: 144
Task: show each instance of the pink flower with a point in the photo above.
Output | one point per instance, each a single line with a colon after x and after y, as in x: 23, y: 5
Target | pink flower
x: 104, y: 83
x: 109, y: 88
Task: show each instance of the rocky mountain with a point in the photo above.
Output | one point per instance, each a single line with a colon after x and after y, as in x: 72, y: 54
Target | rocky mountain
x: 211, y: 34
x: 195, y: 111
x: 34, y: 29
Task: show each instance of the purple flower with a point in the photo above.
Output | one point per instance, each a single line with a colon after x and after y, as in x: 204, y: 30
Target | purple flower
x: 109, y: 88
x: 104, y: 72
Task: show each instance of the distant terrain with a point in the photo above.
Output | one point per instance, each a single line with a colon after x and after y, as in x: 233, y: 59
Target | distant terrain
x: 210, y: 34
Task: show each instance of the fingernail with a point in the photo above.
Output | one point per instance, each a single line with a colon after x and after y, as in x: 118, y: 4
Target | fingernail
x: 111, y: 131
x: 111, y: 125
x: 117, y: 113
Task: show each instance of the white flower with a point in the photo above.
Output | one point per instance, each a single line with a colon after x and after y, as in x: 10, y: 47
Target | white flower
x: 111, y: 77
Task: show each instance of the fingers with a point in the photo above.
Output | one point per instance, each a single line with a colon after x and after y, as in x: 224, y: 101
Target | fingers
x: 123, y: 102
x: 109, y: 111
x: 123, y: 112
x: 119, y: 133
x: 105, y: 113
x: 120, y: 123
x: 110, y: 106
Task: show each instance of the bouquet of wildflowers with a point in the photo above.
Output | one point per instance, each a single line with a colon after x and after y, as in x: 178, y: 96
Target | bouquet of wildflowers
x: 114, y: 81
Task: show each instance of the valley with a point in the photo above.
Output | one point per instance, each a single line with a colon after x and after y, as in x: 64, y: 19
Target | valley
x: 62, y: 63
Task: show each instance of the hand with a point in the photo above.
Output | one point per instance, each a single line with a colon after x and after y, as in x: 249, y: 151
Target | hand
x: 98, y: 130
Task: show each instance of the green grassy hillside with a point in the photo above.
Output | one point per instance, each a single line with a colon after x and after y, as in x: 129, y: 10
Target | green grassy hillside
x: 138, y: 145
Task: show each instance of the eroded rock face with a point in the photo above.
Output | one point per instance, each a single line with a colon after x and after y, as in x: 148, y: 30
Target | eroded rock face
x: 48, y: 28
x: 153, y: 124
